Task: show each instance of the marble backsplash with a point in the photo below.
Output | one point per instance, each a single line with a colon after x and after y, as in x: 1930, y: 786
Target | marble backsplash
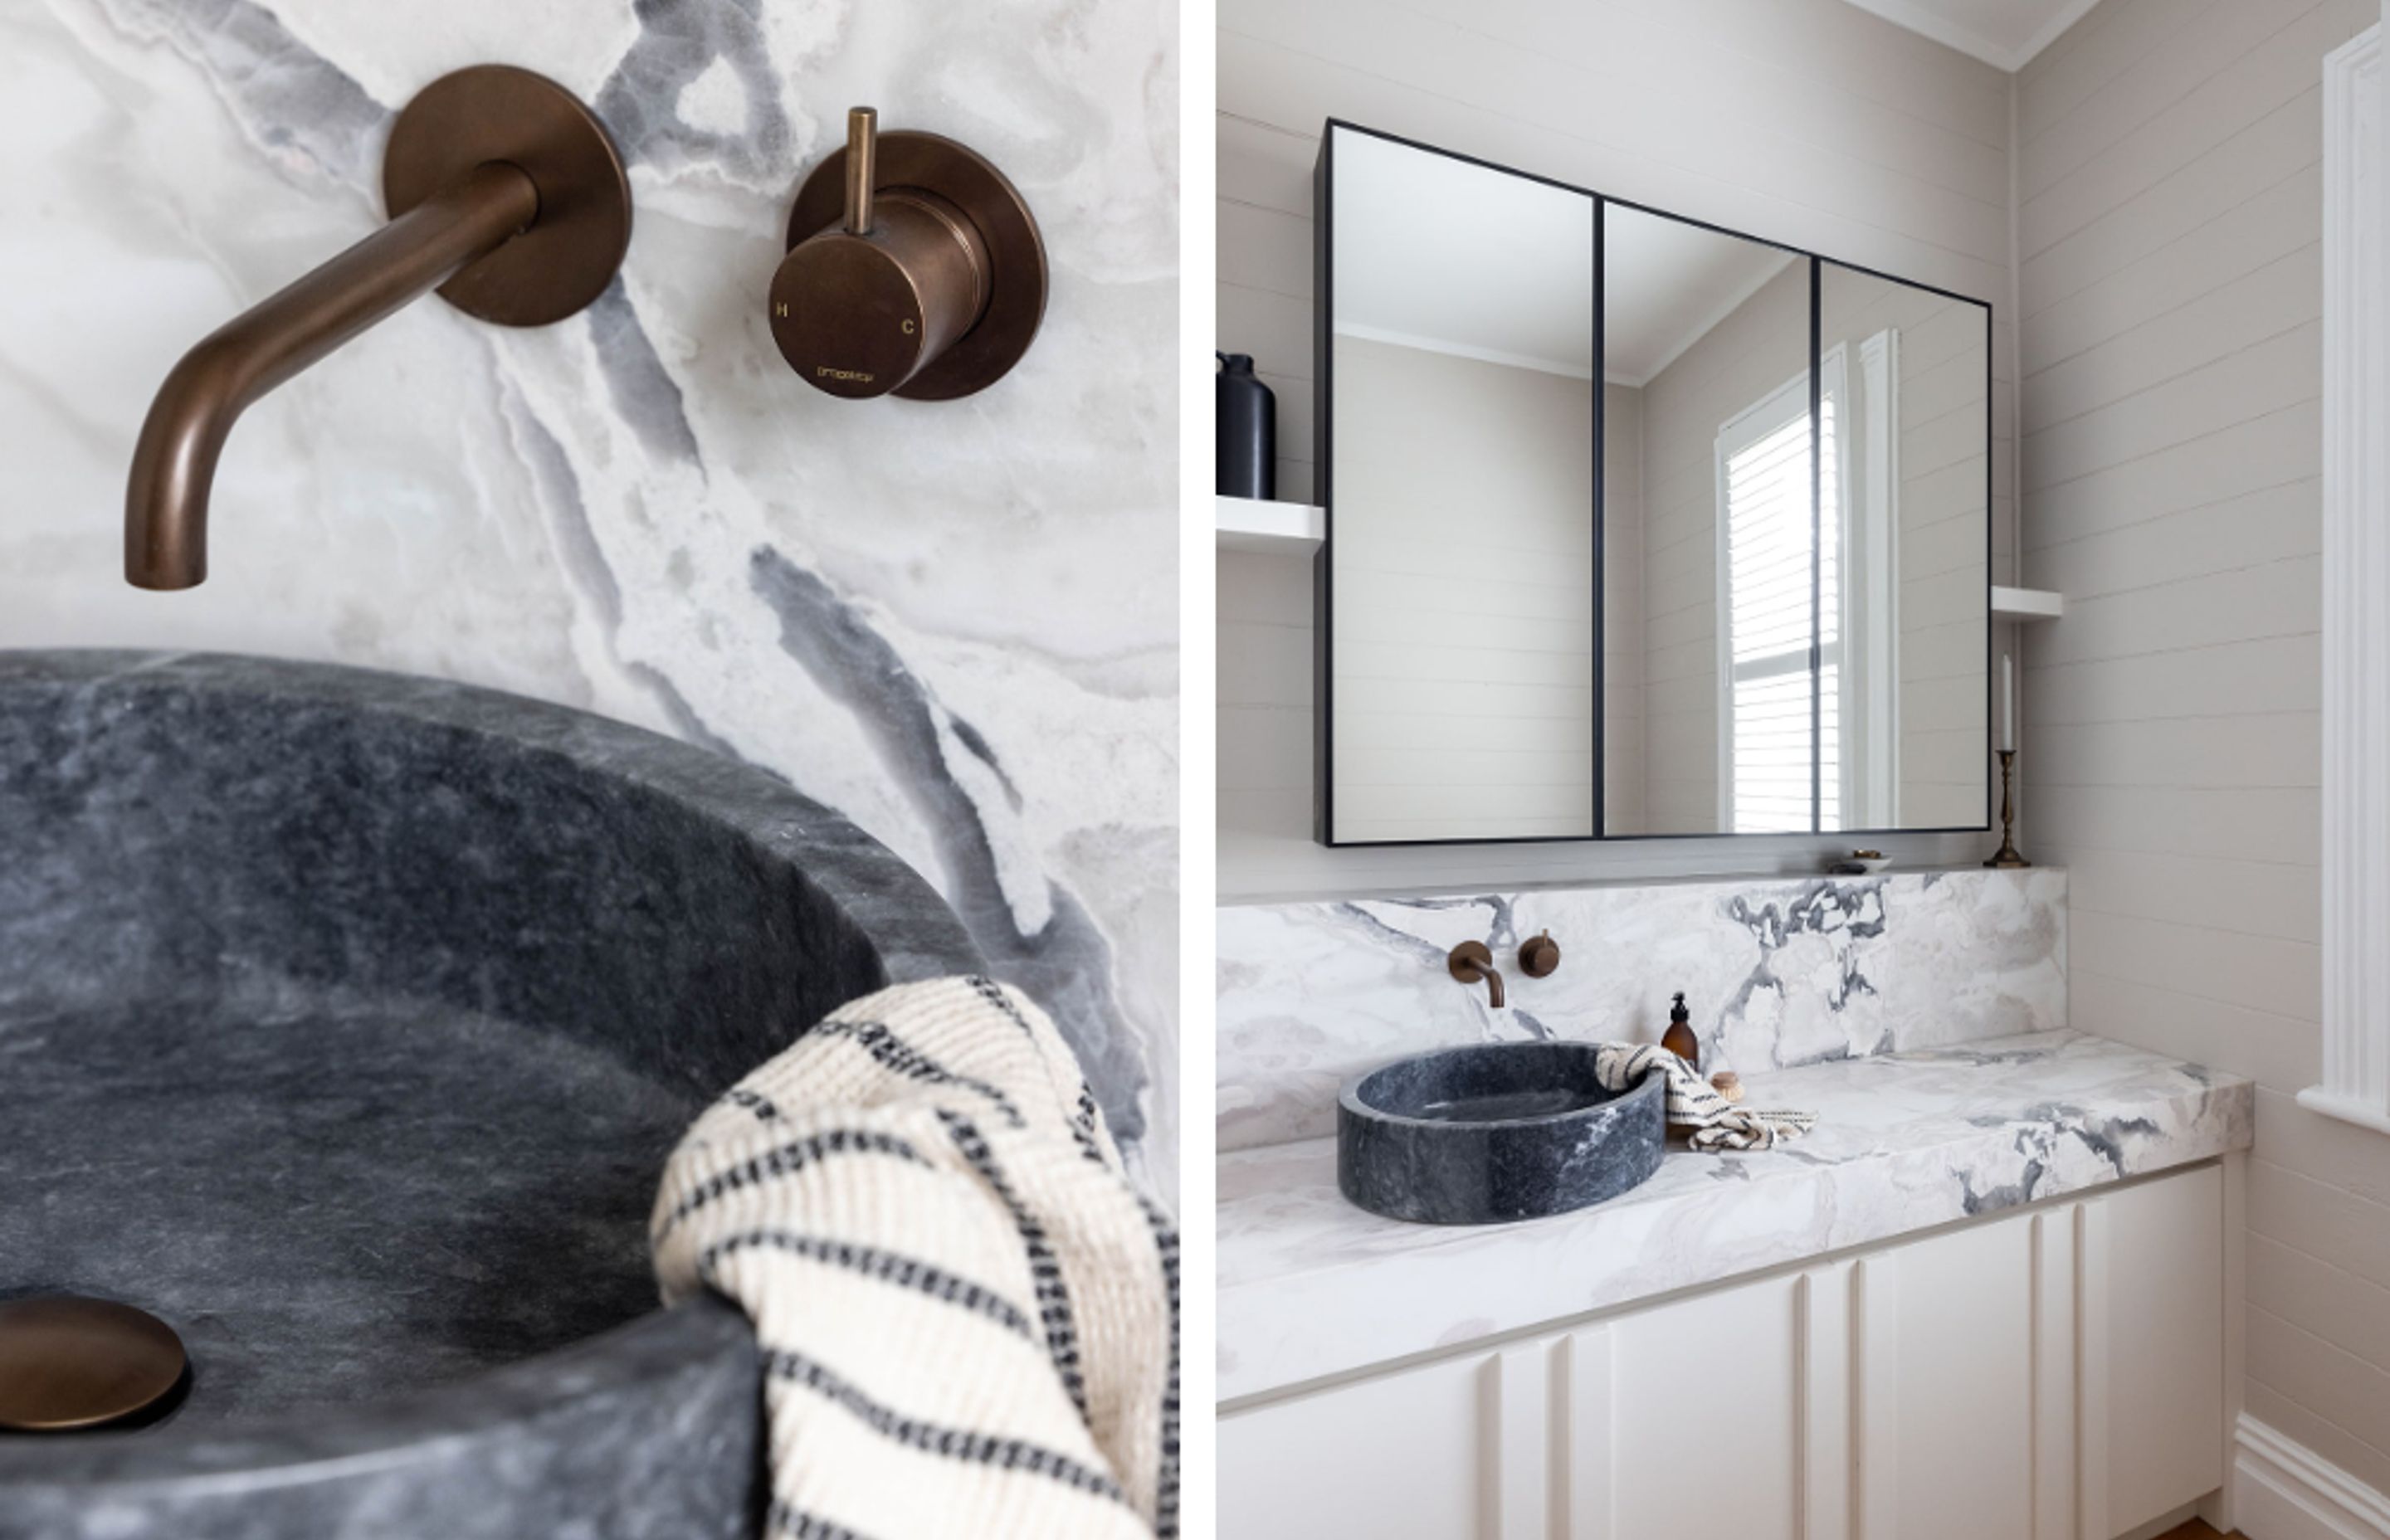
x: 1776, y: 972
x: 956, y: 622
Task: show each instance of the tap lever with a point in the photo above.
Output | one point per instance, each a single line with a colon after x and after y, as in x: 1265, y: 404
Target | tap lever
x: 914, y: 269
x: 862, y: 167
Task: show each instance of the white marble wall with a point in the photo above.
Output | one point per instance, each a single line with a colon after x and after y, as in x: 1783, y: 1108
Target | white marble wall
x: 957, y: 622
x: 1777, y: 972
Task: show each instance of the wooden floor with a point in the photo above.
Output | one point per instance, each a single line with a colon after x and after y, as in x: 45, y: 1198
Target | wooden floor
x: 2196, y: 1531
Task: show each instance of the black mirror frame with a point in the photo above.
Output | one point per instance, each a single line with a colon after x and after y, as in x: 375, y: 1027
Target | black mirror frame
x: 1323, y: 579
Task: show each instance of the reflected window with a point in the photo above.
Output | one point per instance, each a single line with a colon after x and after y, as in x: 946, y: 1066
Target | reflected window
x: 1770, y: 576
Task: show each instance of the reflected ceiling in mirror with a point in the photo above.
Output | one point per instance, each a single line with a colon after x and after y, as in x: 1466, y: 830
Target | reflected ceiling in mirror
x: 1436, y: 252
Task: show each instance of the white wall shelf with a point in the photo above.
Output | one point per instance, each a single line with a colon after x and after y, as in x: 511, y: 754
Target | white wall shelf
x: 1273, y: 529
x: 2026, y: 604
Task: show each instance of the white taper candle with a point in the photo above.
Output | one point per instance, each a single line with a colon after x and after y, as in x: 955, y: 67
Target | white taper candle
x: 2007, y: 703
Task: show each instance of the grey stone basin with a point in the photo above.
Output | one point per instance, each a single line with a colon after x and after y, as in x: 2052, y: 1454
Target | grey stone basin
x: 346, y: 1021
x: 1494, y: 1132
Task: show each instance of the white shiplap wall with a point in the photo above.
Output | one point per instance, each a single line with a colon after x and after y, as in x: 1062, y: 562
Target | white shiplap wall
x: 1807, y: 121
x: 2168, y: 227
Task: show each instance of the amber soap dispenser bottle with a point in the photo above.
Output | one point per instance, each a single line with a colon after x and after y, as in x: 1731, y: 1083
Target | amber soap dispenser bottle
x: 1679, y: 1039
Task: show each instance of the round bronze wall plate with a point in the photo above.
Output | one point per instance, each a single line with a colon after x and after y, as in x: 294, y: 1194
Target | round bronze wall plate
x: 497, y: 113
x: 69, y: 1361
x: 1016, y: 252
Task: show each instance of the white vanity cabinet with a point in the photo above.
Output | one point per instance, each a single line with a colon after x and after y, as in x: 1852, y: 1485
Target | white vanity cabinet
x: 2056, y: 1374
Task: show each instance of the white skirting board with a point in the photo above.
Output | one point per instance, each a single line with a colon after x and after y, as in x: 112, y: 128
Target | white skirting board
x: 2288, y: 1492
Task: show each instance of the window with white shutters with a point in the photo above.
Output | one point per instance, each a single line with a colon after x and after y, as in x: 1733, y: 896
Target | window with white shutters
x: 1772, y: 674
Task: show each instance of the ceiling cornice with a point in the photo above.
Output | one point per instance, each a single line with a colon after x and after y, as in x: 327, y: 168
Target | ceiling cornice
x: 1925, y: 24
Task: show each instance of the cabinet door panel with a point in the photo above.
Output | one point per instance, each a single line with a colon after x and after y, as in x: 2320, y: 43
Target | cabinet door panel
x: 1712, y: 1383
x: 1945, y: 1386
x: 2155, y: 1334
x: 1447, y: 1451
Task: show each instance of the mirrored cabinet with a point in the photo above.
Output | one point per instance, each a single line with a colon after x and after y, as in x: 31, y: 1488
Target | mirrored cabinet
x: 1635, y: 527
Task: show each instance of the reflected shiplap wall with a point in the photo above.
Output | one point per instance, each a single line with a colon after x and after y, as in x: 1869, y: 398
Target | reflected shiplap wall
x: 955, y: 622
x: 1464, y: 602
x: 2169, y: 223
x: 1808, y: 121
x: 1937, y: 461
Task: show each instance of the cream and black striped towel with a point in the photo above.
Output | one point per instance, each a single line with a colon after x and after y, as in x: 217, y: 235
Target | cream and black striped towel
x: 1717, y: 1123
x: 969, y: 1317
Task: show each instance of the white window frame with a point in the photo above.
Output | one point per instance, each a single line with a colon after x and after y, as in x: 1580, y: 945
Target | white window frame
x: 1869, y: 746
x: 2356, y: 1084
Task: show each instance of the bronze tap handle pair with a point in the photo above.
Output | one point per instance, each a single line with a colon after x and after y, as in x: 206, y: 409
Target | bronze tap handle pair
x: 1472, y: 962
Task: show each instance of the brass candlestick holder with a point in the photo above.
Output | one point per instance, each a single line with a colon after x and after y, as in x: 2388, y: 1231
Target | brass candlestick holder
x: 2007, y: 854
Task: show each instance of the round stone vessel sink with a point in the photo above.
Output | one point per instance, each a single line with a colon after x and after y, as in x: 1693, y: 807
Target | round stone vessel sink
x: 1494, y: 1132
x: 346, y: 1021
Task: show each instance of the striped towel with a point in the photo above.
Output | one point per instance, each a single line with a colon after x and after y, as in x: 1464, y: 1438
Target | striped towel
x: 1717, y: 1123
x: 969, y: 1316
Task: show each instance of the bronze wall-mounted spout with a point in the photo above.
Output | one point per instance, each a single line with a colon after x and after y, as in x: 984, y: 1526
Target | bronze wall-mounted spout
x: 1471, y: 962
x: 504, y: 193
x: 174, y: 463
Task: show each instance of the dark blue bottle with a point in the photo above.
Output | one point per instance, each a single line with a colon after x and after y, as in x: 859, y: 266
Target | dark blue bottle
x: 1244, y: 431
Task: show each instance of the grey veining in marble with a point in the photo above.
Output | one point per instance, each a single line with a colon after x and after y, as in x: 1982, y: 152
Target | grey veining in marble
x: 953, y: 622
x: 1311, y: 1286
x: 1777, y: 971
x: 346, y: 1020
x: 1494, y: 1132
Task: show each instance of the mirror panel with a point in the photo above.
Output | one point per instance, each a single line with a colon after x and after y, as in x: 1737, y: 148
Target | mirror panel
x: 1707, y: 549
x: 1460, y: 565
x: 1906, y: 421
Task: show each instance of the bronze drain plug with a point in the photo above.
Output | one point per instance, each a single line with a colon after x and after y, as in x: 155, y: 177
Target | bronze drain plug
x: 70, y: 1362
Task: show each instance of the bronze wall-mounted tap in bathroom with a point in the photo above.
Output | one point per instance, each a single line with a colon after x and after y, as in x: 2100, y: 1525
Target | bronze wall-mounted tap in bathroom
x: 1538, y: 956
x: 914, y: 268
x: 1472, y: 962
x: 504, y: 193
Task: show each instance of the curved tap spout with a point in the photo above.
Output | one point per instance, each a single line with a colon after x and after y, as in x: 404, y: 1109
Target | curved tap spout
x: 1472, y: 962
x: 507, y: 195
x: 175, y: 463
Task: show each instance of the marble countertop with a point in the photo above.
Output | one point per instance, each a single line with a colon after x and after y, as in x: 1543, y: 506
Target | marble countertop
x: 1311, y: 1286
